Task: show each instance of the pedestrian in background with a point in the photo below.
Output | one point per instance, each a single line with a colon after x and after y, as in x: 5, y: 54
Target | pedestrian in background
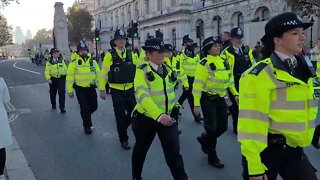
x: 5, y: 132
x: 278, y: 106
x: 55, y: 72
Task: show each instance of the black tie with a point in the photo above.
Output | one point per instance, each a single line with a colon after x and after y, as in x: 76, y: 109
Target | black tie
x: 291, y: 65
x: 160, y: 69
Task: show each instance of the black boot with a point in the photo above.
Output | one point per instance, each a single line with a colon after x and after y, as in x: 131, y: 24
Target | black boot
x: 214, y: 160
x: 203, y: 142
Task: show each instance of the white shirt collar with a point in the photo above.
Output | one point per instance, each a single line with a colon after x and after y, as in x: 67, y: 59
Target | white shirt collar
x: 153, y: 65
x: 283, y: 57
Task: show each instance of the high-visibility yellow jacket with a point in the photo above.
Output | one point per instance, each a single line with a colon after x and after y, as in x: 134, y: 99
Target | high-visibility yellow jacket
x: 188, y: 64
x: 74, y: 56
x: 107, y: 62
x: 175, y: 65
x: 271, y: 100
x: 225, y: 54
x: 154, y: 94
x: 213, y: 76
x: 318, y: 66
x: 82, y: 73
x: 55, y: 69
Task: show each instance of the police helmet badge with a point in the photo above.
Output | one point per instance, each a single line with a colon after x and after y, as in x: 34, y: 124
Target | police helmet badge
x: 239, y: 32
x: 121, y: 32
x: 82, y: 44
x: 162, y: 43
x: 189, y: 36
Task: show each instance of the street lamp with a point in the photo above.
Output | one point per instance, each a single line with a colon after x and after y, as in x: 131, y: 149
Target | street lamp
x: 311, y: 21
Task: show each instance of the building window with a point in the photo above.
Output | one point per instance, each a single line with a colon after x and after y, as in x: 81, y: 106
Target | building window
x: 216, y: 25
x: 146, y: 3
x: 129, y: 13
x: 160, y: 5
x: 261, y: 14
x: 173, y: 2
x: 174, y: 38
x: 265, y: 14
x: 241, y: 21
x: 136, y: 12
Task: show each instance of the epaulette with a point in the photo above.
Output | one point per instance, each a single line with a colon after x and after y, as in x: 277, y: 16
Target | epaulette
x: 73, y: 60
x: 142, y: 66
x: 203, y: 62
x: 258, y: 68
x: 246, y: 49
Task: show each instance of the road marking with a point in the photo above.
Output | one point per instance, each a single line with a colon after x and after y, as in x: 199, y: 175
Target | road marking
x: 13, y: 113
x: 29, y: 85
x: 14, y: 65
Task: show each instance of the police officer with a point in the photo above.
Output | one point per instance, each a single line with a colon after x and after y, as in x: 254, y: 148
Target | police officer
x: 118, y: 69
x: 83, y: 73
x: 240, y: 58
x: 55, y: 72
x: 278, y: 106
x: 213, y: 77
x: 154, y: 85
x: 174, y: 63
x: 189, y: 60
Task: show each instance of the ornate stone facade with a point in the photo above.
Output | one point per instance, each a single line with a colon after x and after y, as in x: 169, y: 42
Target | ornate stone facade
x: 175, y: 18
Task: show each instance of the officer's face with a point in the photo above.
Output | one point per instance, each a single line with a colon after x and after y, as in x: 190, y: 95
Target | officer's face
x: 215, y: 49
x: 168, y: 54
x: 155, y: 57
x: 225, y: 37
x: 55, y: 55
x: 291, y: 42
x: 237, y: 41
x: 120, y: 43
x: 83, y: 52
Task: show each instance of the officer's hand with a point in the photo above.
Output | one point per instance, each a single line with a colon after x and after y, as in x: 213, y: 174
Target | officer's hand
x: 166, y: 120
x: 237, y: 99
x: 71, y: 95
x: 196, y: 111
x: 262, y: 177
x: 103, y: 95
x: 49, y: 81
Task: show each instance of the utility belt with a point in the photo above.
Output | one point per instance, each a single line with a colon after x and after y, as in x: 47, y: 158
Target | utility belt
x: 60, y: 77
x: 276, y: 139
x: 211, y: 97
x: 80, y: 87
x: 136, y: 115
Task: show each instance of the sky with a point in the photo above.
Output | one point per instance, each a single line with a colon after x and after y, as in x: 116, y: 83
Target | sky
x: 32, y: 14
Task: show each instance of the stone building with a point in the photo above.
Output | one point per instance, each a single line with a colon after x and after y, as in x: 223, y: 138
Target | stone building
x: 175, y: 18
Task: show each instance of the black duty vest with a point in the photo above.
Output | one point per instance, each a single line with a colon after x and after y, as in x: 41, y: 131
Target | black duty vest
x: 121, y: 71
x: 241, y: 62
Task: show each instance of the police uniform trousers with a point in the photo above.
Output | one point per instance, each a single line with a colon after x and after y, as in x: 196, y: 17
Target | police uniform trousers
x: 280, y: 159
x: 2, y: 160
x: 58, y: 85
x: 123, y: 104
x: 316, y: 135
x: 87, y: 98
x: 188, y: 95
x: 234, y: 108
x: 145, y: 129
x: 215, y: 116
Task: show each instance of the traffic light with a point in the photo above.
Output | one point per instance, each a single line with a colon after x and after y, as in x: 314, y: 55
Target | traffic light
x: 129, y: 32
x: 135, y: 30
x: 97, y: 35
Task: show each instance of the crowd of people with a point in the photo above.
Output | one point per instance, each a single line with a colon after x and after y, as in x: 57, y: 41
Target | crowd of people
x: 274, y: 89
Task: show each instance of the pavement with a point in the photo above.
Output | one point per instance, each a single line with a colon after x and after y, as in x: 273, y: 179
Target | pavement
x: 52, y: 146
